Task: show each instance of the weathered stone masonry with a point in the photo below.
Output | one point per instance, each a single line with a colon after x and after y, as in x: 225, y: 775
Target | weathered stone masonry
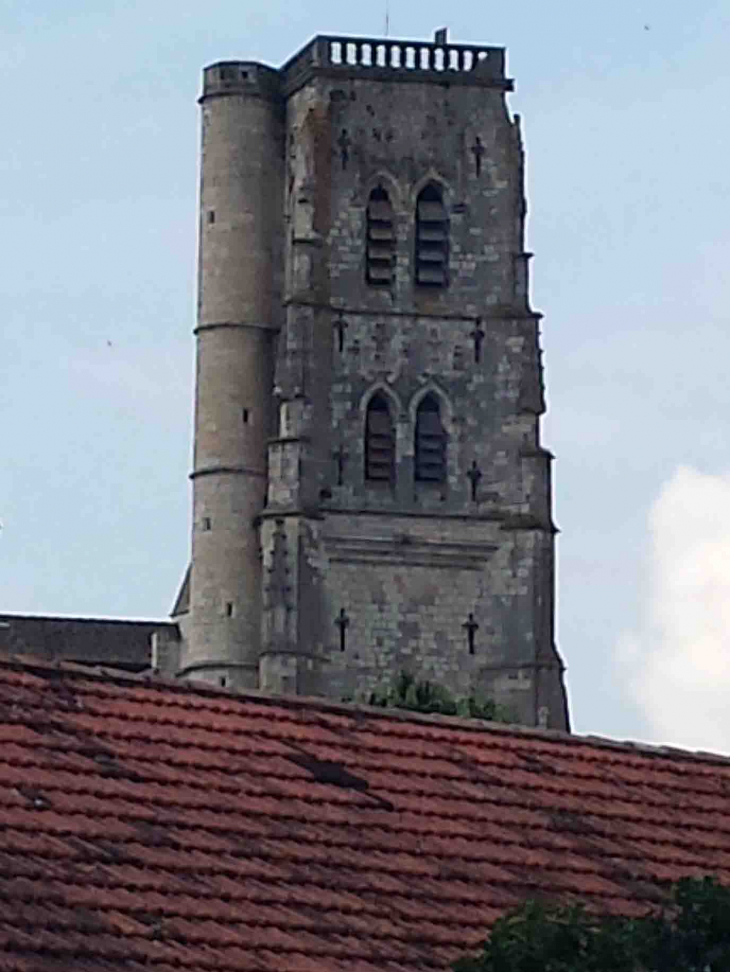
x: 370, y: 490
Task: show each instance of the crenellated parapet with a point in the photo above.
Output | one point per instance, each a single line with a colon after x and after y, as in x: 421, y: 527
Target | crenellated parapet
x: 397, y: 60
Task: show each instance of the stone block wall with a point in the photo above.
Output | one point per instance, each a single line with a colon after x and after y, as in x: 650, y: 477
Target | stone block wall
x: 449, y: 579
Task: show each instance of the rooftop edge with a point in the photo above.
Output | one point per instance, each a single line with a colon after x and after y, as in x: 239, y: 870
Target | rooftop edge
x: 378, y: 58
x: 153, y: 681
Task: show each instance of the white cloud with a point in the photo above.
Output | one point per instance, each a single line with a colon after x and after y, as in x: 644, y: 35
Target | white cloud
x: 678, y: 663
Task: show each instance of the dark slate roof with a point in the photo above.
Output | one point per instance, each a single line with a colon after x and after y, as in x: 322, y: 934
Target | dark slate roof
x: 182, y: 601
x: 154, y: 826
x: 91, y: 641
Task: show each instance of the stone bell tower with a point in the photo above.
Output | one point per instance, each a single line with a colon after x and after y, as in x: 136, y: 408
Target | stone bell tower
x: 239, y: 315
x: 371, y: 494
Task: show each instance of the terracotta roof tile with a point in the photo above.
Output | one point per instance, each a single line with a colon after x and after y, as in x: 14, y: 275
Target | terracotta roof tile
x: 152, y: 826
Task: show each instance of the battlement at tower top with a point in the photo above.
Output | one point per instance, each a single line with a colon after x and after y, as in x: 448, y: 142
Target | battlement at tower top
x: 363, y: 58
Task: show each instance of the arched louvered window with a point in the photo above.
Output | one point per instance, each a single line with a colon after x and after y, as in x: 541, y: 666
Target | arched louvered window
x: 379, y: 441
x: 432, y: 239
x: 430, y: 442
x: 380, y: 247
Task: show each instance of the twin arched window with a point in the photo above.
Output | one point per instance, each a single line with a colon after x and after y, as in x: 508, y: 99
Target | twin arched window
x: 430, y: 441
x: 379, y: 441
x: 380, y: 256
x: 432, y: 239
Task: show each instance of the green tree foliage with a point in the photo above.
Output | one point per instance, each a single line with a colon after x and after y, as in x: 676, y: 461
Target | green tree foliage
x: 424, y: 696
x: 691, y: 933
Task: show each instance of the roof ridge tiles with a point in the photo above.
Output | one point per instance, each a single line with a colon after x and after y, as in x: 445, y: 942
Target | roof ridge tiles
x: 452, y: 723
x: 96, y: 619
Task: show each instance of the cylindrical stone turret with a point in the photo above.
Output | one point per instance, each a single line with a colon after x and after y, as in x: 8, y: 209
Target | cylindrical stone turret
x: 239, y: 303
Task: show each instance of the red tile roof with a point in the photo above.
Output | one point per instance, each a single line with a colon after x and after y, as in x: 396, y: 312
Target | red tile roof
x: 156, y: 826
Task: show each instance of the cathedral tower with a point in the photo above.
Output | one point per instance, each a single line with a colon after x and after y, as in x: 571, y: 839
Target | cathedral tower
x: 371, y: 494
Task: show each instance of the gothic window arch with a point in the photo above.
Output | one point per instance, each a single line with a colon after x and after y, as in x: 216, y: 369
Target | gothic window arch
x: 430, y: 444
x: 432, y: 238
x: 380, y: 243
x: 379, y: 441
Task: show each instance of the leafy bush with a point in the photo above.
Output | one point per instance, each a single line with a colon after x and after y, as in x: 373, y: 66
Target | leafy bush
x: 425, y: 696
x: 691, y: 933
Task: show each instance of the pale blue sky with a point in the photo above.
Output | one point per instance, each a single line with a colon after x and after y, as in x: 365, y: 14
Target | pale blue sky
x: 627, y: 146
